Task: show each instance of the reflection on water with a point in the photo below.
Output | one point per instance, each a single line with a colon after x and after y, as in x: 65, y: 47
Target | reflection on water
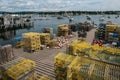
x: 7, y: 34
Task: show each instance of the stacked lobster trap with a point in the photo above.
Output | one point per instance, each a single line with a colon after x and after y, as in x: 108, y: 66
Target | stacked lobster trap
x: 19, y: 69
x: 68, y: 67
x: 31, y: 41
x: 61, y: 61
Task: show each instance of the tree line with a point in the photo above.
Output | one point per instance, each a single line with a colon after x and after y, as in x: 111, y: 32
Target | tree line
x: 63, y: 12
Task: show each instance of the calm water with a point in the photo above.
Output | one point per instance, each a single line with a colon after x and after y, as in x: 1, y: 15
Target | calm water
x: 54, y: 22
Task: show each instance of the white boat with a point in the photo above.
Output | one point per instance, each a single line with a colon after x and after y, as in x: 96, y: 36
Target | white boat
x: 88, y: 17
x: 102, y: 19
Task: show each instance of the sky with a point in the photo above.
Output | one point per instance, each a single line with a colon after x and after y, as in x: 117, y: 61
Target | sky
x: 59, y: 5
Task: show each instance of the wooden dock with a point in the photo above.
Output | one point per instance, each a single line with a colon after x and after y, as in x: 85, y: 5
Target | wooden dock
x: 9, y: 31
x: 45, y: 58
x: 10, y: 27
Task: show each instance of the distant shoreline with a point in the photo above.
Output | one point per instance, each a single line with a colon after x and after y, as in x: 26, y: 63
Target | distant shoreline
x: 63, y: 12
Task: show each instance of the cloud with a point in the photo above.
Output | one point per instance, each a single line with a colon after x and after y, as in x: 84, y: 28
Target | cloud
x: 58, y: 5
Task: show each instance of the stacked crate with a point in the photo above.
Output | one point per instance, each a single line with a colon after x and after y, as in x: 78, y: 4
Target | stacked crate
x: 113, y: 51
x: 77, y: 47
x: 82, y: 34
x: 48, y: 30
x: 118, y: 30
x: 101, y: 31
x: 115, y: 36
x: 94, y: 51
x: 63, y: 30
x: 19, y: 69
x: 61, y: 61
x: 109, y: 33
x: 86, y: 26
x: 53, y: 43
x: 44, y: 38
x: 73, y: 27
x: 109, y: 29
x: 83, y: 68
x: 71, y: 49
x: 73, y: 72
x: 31, y: 41
x: 97, y: 47
x: 6, y: 54
x: 96, y: 34
x: 110, y: 37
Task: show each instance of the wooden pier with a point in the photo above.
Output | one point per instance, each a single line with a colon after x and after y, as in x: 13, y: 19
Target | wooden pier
x: 9, y: 31
x: 45, y: 58
x: 4, y: 28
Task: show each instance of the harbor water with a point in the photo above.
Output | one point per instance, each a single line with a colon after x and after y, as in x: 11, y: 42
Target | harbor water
x: 53, y: 22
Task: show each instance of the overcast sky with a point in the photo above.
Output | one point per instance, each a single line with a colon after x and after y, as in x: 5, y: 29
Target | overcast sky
x: 59, y: 5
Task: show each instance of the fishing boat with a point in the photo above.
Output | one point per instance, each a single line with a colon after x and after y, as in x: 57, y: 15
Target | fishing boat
x: 109, y: 17
x: 102, y: 18
x: 59, y: 17
x: 88, y: 17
